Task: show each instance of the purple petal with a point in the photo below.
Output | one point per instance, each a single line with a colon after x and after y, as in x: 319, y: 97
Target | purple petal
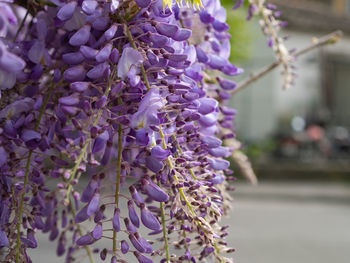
x: 158, y: 40
x: 97, y: 232
x: 35, y: 53
x: 28, y: 243
x: 146, y: 245
x: 54, y: 233
x: 201, y: 55
x: 114, y: 57
x: 228, y: 111
x: 216, y: 62
x: 152, y: 58
x: 101, y: 102
x: 134, y: 218
x: 143, y: 3
x: 136, y: 243
x: 148, y: 219
x: 205, y: 17
x: 155, y: 192
x: 220, y: 26
x: 100, y: 142
x: 98, y: 71
x: 116, y: 220
x: 4, y: 242
x: 41, y: 29
x: 129, y: 226
x: 208, y: 120
x: 218, y: 164
x: 154, y: 164
x: 80, y: 37
x: 134, y: 79
x: 182, y: 34
x: 136, y: 196
x: 101, y: 23
x: 73, y: 58
x: 31, y: 237
x: 176, y: 57
x: 211, y: 142
x: 207, y: 105
x: 218, y: 179
x: 104, y: 53
x: 142, y: 137
x: 227, y: 84
x: 3, y: 156
x: 160, y: 153
x: 39, y: 223
x: 93, y: 205
x: 103, y: 253
x: 109, y: 34
x: 88, y: 52
x: 89, y: 190
x: 99, y: 215
x: 219, y: 151
x: 82, y: 215
x: 28, y: 135
x: 11, y: 63
x: 124, y: 247
x: 61, y: 248
x: 231, y: 70
x: 69, y: 100
x: 165, y: 29
x: 79, y: 86
x: 70, y: 110
x: 129, y: 57
x: 85, y: 240
x: 142, y: 258
x: 89, y: 6
x: 76, y: 73
x: 66, y: 12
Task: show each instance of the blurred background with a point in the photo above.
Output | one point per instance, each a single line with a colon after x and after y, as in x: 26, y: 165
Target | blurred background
x: 297, y: 139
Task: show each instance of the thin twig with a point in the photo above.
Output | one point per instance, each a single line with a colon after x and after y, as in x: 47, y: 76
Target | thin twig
x: 21, y: 25
x: 325, y: 40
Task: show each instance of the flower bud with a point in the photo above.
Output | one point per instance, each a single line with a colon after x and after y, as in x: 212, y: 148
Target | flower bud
x: 133, y: 214
x: 116, y: 220
x: 148, y: 219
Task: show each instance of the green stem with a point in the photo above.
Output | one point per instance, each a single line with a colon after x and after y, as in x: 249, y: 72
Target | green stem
x: 26, y: 175
x: 161, y: 133
x: 144, y: 75
x: 21, y: 25
x: 182, y: 193
x: 84, y: 149
x: 20, y: 214
x: 165, y: 234
x: 117, y: 182
x: 87, y: 248
x: 162, y: 213
x: 133, y: 44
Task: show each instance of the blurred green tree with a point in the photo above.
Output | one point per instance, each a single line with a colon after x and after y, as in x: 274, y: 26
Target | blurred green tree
x: 242, y: 33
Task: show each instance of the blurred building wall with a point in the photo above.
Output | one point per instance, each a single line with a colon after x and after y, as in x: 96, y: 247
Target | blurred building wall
x: 321, y: 85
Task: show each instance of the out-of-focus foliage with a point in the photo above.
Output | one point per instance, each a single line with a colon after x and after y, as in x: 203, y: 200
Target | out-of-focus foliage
x: 241, y: 31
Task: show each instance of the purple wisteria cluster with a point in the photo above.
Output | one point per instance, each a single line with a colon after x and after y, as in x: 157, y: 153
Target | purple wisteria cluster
x: 112, y: 117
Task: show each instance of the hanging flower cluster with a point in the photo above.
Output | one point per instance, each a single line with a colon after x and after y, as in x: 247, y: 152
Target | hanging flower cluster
x: 271, y: 25
x: 125, y: 95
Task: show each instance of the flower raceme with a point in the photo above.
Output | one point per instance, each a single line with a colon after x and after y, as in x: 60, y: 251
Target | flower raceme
x: 99, y: 96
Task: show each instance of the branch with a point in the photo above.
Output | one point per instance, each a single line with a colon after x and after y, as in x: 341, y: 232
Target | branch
x: 325, y: 40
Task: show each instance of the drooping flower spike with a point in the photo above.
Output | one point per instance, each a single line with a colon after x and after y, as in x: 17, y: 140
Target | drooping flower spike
x: 113, y: 119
